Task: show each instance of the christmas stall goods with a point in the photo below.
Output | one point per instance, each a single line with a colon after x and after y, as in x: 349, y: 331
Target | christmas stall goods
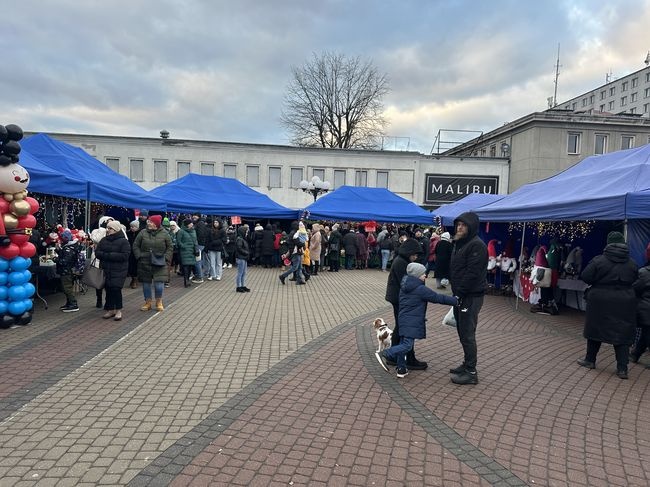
x: 16, y: 223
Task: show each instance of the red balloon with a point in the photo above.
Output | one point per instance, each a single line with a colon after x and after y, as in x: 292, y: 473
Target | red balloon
x: 27, y: 250
x: 4, y: 206
x: 18, y: 238
x: 27, y: 221
x: 10, y: 251
x: 33, y: 204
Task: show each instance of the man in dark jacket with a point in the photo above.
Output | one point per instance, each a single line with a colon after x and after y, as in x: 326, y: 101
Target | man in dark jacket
x: 408, y: 252
x: 468, y: 272
x: 202, y: 233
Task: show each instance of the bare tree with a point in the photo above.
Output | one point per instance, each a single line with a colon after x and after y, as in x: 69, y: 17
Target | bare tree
x: 336, y: 102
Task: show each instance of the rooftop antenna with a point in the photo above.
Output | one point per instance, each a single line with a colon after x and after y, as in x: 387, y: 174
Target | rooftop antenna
x: 647, y: 59
x: 557, y: 75
x: 608, y: 76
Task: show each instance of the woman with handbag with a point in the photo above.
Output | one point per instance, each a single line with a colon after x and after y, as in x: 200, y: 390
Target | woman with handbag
x: 113, y: 252
x: 153, y: 250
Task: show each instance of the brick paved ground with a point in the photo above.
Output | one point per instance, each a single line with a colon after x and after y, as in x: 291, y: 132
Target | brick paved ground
x: 279, y: 387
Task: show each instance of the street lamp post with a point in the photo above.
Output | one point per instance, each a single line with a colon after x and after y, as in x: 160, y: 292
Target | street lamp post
x: 315, y: 187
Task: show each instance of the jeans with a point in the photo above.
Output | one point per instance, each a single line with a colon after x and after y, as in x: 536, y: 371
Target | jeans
x: 296, y: 266
x: 621, y: 351
x: 467, y: 319
x: 158, y: 289
x: 215, y: 264
x: 198, y: 267
x: 242, y: 266
x: 350, y: 261
x: 385, y: 254
x: 397, y: 353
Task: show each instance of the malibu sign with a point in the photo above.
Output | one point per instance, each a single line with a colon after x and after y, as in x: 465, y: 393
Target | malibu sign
x: 444, y: 188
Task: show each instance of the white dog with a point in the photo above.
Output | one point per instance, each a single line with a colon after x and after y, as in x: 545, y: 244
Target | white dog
x: 384, y: 334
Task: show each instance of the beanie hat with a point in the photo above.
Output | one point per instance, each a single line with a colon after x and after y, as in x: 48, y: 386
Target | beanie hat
x: 335, y: 227
x: 165, y: 222
x: 446, y: 236
x: 647, y: 253
x: 114, y: 225
x: 187, y: 221
x: 415, y: 269
x: 615, y: 237
x: 135, y: 224
x: 173, y: 224
x: 144, y: 213
x: 156, y: 220
x: 65, y: 235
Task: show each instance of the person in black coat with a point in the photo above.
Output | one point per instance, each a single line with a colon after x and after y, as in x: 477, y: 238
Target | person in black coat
x: 443, y: 260
x: 642, y: 290
x: 408, y: 252
x: 266, y: 247
x: 468, y: 277
x: 611, y: 303
x: 113, y: 252
x: 335, y: 240
x: 350, y: 246
x: 215, y: 248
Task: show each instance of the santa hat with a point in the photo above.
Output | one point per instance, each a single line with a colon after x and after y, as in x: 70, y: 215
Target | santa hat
x: 156, y: 220
x: 491, y: 248
x: 540, y: 257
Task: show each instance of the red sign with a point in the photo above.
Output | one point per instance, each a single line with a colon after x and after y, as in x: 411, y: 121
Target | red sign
x: 235, y: 220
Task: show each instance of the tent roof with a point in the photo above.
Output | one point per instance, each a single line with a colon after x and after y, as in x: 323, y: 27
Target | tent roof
x: 103, y: 185
x: 596, y: 188
x: 447, y: 213
x: 214, y: 195
x: 43, y: 179
x: 361, y: 204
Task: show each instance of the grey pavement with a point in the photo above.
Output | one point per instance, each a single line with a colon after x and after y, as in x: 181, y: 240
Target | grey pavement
x: 279, y: 387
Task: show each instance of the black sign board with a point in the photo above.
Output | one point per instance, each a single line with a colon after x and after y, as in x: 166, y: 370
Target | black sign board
x: 445, y: 188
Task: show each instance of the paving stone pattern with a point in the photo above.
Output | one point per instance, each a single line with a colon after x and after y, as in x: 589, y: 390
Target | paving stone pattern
x: 279, y: 387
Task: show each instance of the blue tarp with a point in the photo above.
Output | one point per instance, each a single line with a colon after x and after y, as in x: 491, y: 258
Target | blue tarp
x: 103, y: 185
x: 214, y: 195
x: 596, y: 188
x: 351, y: 203
x: 447, y: 213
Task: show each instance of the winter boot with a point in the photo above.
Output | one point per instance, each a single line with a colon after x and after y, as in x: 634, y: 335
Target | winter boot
x: 159, y: 305
x: 134, y: 283
x: 146, y: 306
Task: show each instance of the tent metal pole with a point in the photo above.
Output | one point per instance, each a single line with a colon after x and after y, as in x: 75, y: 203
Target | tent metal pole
x: 625, y: 229
x: 521, y: 252
x: 87, y: 218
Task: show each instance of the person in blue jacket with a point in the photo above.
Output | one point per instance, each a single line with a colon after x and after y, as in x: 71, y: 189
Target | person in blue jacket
x: 413, y: 298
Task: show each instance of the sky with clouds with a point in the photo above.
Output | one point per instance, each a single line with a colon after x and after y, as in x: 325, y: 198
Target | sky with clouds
x: 217, y: 70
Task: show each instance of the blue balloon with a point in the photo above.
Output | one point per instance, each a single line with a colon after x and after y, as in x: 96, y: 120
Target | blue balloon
x: 19, y: 263
x: 30, y: 289
x: 3, y: 307
x: 4, y: 293
x: 4, y: 265
x: 16, y: 308
x: 4, y: 277
x: 16, y: 293
x: 28, y: 304
x: 27, y: 275
x: 16, y: 278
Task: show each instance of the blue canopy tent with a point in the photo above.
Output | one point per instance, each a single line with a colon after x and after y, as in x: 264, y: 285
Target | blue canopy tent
x: 447, y: 213
x: 214, y: 195
x: 103, y: 185
x: 360, y: 204
x: 611, y: 186
x: 44, y: 180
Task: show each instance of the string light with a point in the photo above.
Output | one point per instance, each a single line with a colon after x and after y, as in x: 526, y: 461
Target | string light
x: 571, y: 230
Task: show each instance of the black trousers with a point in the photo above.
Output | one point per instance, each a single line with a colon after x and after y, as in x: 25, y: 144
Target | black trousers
x: 113, y: 298
x: 622, y: 353
x: 466, y: 320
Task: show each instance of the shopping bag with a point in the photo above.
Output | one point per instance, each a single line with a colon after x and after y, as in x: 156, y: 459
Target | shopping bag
x: 93, y: 276
x: 449, y: 318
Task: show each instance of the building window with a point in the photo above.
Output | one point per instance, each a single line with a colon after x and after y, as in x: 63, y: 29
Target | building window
x: 483, y: 151
x: 610, y: 106
x: 574, y: 105
x: 624, y: 86
x: 573, y: 143
x: 602, y: 107
x: 361, y: 178
x: 136, y: 169
x: 113, y: 163
x: 207, y: 169
x: 339, y: 178
x: 230, y: 171
x: 253, y: 176
x: 633, y: 110
x: 635, y: 82
x: 319, y: 172
x: 591, y: 99
x: 159, y: 171
x: 633, y: 97
x: 647, y: 77
x: 182, y: 168
x: 584, y: 102
x: 275, y: 177
x: 646, y: 108
x: 646, y: 93
x: 493, y: 151
x: 601, y: 144
x: 623, y: 101
x: 612, y: 91
x: 296, y: 176
x: 603, y: 94
x: 382, y: 179
x: 627, y: 141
